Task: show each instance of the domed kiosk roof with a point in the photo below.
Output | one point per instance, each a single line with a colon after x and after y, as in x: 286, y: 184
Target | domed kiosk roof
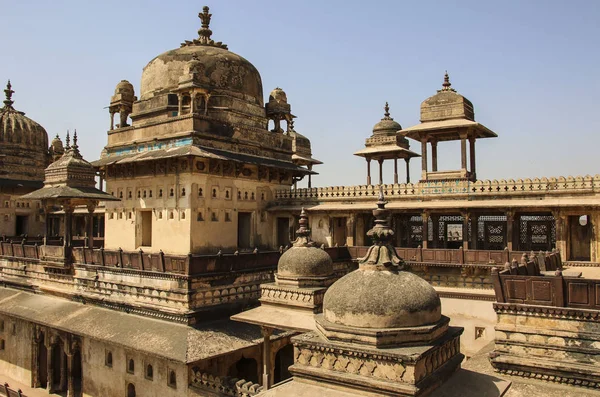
x: 222, y: 68
x: 24, y: 143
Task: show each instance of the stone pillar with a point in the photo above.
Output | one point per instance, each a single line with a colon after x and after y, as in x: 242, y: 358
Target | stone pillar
x: 350, y: 230
x: 266, y: 378
x: 561, y: 233
x: 35, y: 358
x: 474, y: 231
x: 396, y: 170
x: 423, y: 158
x: 309, y: 176
x: 49, y: 366
x: 89, y: 223
x: 179, y: 104
x: 434, y: 163
x: 407, y: 169
x: 368, y: 171
x: 192, y: 103
x: 510, y: 226
x: 435, y: 223
x: 466, y: 215
x: 63, y: 370
x: 112, y: 120
x: 68, y: 224
x: 380, y: 171
x: 472, y: 156
x: 425, y: 228
x: 463, y: 152
x: 70, y: 382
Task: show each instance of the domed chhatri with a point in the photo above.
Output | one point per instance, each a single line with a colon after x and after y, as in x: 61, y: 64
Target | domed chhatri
x: 381, y: 296
x: 304, y: 264
x: 446, y: 104
x: 18, y: 135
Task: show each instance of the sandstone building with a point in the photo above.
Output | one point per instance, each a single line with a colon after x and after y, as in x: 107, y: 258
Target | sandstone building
x: 197, y: 191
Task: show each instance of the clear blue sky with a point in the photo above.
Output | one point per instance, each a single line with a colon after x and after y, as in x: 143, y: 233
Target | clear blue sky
x: 531, y: 69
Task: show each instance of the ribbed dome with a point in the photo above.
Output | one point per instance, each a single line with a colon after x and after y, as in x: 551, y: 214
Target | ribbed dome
x: 387, y: 125
x: 24, y: 143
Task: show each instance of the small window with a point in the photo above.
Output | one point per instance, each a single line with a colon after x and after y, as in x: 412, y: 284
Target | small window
x: 150, y: 193
x: 1, y: 344
x: 149, y: 372
x: 139, y: 194
x: 171, y: 215
x: 108, y: 359
x: 239, y: 195
x: 252, y: 196
x: 121, y: 195
x: 18, y: 205
x: 227, y: 217
x: 130, y: 215
x: 479, y: 332
x: 183, y: 192
x: 199, y: 217
x: 200, y: 193
x: 171, y: 193
x: 6, y: 204
x: 120, y: 215
x: 1, y: 325
x: 131, y: 366
x: 214, y: 193
x: 28, y: 205
x: 214, y: 217
x: 172, y: 379
x: 245, y: 195
x: 182, y: 214
x: 14, y: 328
x: 159, y: 192
x: 111, y: 215
x: 129, y: 194
x: 226, y: 194
x: 144, y: 195
x: 159, y: 214
x: 112, y: 194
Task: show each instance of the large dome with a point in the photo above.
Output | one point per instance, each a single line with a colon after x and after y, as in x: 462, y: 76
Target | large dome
x: 222, y: 68
x: 24, y: 143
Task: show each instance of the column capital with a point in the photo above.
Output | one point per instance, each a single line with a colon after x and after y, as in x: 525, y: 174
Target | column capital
x: 425, y: 215
x: 266, y: 331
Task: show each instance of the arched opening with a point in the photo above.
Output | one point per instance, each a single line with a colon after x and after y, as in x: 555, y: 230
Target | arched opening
x: 109, y: 360
x: 56, y: 357
x: 283, y: 360
x: 130, y: 390
x: 149, y: 372
x: 77, y: 373
x: 131, y: 366
x: 172, y: 379
x: 245, y: 368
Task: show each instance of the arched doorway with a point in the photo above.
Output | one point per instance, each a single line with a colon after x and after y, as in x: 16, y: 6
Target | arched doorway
x: 245, y: 368
x: 42, y: 363
x: 77, y: 373
x: 130, y: 390
x: 283, y: 360
x: 57, y: 359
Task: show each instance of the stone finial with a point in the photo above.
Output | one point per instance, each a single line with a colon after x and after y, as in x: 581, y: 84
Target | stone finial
x: 386, y: 115
x: 75, y: 147
x: 204, y: 33
x: 8, y: 102
x: 303, y: 232
x: 382, y: 254
x: 446, y: 85
x: 68, y: 141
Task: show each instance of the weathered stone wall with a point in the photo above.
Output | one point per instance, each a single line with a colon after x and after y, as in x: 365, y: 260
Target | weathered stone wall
x: 16, y: 357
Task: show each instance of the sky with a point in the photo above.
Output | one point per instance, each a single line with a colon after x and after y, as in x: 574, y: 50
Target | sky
x: 531, y: 69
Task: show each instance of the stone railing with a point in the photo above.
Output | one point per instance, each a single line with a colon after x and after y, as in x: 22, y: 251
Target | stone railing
x: 47, y: 253
x: 5, y: 390
x: 224, y: 385
x: 560, y: 185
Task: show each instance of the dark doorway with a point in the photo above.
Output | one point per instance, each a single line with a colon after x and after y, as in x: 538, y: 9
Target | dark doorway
x: 57, y: 360
x: 245, y: 368
x: 130, y: 390
x: 244, y: 227
x: 77, y: 373
x: 283, y: 361
x: 147, y: 228
x: 580, y: 237
x: 283, y: 231
x: 21, y: 225
x: 339, y: 231
x: 42, y: 364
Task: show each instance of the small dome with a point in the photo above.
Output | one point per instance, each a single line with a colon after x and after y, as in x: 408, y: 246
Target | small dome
x: 387, y: 125
x: 447, y: 104
x: 305, y: 262
x: 71, y: 168
x: 381, y: 299
x: 57, y: 145
x: 24, y: 143
x: 125, y: 91
x: 278, y: 95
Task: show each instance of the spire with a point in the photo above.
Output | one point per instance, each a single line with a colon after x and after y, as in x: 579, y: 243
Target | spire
x: 8, y: 102
x: 67, y: 142
x: 204, y: 33
x: 386, y: 115
x: 382, y: 253
x: 446, y: 86
x: 75, y: 146
x: 303, y: 232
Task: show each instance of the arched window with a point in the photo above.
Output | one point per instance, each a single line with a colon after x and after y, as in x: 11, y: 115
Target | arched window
x: 131, y: 366
x: 120, y: 194
x: 252, y: 198
x: 150, y: 193
x: 199, y: 217
x: 172, y: 379
x: 171, y: 215
x: 183, y: 215
x: 227, y: 194
x: 171, y: 193
x: 239, y: 195
x: 139, y: 194
x: 149, y: 372
x: 160, y: 215
x: 144, y: 195
x: 129, y: 194
x: 200, y: 193
x: 159, y: 192
x: 130, y: 390
x: 214, y: 193
x: 108, y: 361
x: 245, y: 195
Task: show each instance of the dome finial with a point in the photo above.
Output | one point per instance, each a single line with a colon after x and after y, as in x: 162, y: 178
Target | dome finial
x: 386, y: 115
x: 303, y: 232
x: 205, y: 32
x: 447, y: 86
x: 8, y: 102
x: 68, y: 141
